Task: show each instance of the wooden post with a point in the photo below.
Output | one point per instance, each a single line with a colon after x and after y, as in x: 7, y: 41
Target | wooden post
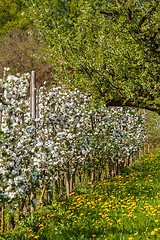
x: 31, y: 98
x: 33, y: 95
x: 68, y: 189
x: 1, y: 110
x: 43, y: 134
x: 2, y: 91
x: 41, y: 199
x: 2, y: 219
x: 33, y: 115
x: 37, y: 112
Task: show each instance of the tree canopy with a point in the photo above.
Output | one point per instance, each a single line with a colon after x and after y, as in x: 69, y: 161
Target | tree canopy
x: 109, y: 48
x: 13, y: 15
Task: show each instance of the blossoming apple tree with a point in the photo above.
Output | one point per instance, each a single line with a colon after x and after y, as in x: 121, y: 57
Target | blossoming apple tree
x: 72, y: 137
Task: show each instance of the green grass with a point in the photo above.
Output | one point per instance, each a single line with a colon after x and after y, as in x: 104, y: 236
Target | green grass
x: 125, y: 207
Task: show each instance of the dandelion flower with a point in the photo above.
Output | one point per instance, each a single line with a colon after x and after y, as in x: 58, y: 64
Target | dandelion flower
x: 36, y: 237
x: 155, y: 229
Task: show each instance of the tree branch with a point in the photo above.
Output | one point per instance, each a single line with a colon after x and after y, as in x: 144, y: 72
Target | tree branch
x: 130, y: 14
x: 148, y: 14
x: 130, y: 103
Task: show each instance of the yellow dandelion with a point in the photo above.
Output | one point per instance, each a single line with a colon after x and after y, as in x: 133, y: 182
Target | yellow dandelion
x: 40, y: 225
x: 93, y: 235
x: 130, y: 238
x: 135, y: 234
x: 109, y: 224
x: 155, y: 229
x: 153, y: 233
x: 36, y: 237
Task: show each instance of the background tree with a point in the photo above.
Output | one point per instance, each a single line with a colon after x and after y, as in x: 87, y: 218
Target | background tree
x: 20, y: 50
x: 110, y: 48
x: 22, y: 53
x: 13, y: 15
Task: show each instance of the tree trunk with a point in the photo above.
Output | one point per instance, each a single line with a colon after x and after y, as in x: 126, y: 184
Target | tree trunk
x: 32, y: 201
x: 110, y: 167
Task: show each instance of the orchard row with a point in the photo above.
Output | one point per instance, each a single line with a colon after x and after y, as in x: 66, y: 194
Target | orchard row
x: 72, y: 139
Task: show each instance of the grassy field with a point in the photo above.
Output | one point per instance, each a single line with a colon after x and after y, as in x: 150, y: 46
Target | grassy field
x: 125, y: 207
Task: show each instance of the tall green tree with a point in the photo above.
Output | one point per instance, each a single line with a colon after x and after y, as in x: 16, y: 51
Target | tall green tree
x: 109, y: 48
x: 13, y: 15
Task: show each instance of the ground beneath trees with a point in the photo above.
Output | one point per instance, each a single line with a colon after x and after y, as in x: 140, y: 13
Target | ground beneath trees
x: 125, y: 207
